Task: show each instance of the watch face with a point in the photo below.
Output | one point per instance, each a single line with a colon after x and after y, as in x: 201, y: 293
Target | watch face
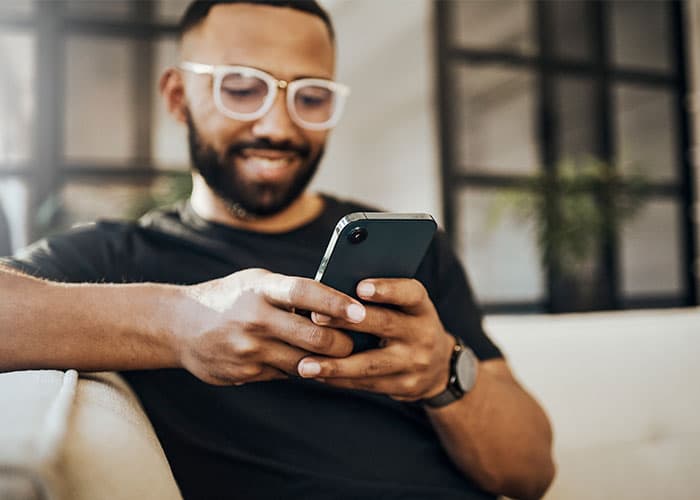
x: 466, y: 371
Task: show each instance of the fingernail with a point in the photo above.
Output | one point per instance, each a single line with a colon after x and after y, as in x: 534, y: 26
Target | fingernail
x: 355, y: 313
x: 366, y: 289
x: 309, y: 369
x: 320, y: 318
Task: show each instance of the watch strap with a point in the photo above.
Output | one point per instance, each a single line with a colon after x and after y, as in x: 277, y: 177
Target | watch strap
x: 453, y: 391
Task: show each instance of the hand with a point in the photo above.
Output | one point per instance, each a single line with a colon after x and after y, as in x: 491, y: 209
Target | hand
x: 413, y: 362
x: 242, y: 328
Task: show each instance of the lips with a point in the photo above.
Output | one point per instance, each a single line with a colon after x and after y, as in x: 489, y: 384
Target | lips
x: 268, y: 165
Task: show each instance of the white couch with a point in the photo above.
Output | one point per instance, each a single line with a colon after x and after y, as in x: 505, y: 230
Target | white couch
x: 620, y: 389
x: 622, y: 392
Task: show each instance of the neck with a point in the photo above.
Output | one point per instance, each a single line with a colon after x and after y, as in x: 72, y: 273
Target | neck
x: 211, y: 208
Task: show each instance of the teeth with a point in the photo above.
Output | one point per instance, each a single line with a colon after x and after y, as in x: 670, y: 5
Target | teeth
x: 269, y: 163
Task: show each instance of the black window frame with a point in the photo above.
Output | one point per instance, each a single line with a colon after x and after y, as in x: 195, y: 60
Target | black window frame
x: 52, y: 23
x: 545, y: 65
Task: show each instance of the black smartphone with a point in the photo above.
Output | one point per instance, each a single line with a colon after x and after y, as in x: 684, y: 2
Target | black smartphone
x: 374, y: 245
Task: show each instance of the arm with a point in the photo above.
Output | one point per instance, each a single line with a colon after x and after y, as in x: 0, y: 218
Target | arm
x: 232, y: 330
x: 496, y: 434
x: 87, y: 327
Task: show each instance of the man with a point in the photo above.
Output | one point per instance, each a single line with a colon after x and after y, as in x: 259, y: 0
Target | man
x: 249, y: 399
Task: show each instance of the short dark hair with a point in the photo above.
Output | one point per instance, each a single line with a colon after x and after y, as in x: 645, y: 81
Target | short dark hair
x: 199, y: 9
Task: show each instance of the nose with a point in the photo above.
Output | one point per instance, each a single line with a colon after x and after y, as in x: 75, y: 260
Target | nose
x: 276, y: 125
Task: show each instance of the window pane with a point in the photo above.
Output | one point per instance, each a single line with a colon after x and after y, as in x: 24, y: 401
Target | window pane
x: 505, y: 25
x: 19, y: 8
x: 170, y: 11
x: 99, y: 104
x: 119, y: 9
x: 651, y: 251
x: 87, y: 201
x: 572, y: 29
x: 168, y: 136
x: 646, y: 132
x: 576, y: 117
x: 16, y: 97
x: 640, y: 34
x: 500, y: 252
x: 14, y: 201
x: 494, y: 122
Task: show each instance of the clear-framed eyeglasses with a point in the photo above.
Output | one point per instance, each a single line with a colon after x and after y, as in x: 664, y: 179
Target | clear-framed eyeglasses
x: 246, y: 94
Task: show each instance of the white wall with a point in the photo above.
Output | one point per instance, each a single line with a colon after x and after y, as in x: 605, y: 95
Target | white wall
x: 384, y: 151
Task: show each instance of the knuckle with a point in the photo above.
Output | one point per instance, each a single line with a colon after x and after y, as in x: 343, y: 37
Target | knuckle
x: 330, y: 369
x: 410, y: 386
x: 319, y: 338
x: 246, y: 347
x: 212, y: 378
x: 419, y: 291
x: 421, y: 361
x: 250, y: 371
x: 256, y: 272
x: 298, y: 290
x: 377, y: 366
x: 388, y: 323
x: 333, y: 304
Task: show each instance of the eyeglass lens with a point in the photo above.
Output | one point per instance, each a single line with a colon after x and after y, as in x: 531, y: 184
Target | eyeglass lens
x: 246, y: 94
x: 243, y: 94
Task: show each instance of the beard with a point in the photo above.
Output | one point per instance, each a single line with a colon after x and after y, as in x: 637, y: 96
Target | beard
x: 248, y: 199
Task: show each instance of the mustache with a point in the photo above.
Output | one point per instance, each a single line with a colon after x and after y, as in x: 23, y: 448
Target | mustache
x: 285, y: 146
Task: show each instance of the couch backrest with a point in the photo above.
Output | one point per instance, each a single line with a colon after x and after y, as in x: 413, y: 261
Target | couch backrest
x: 622, y: 392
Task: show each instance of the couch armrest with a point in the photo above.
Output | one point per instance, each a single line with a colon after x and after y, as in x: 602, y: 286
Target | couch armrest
x: 78, y: 437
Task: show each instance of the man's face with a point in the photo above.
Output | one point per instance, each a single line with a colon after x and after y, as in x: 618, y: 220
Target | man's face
x: 262, y: 165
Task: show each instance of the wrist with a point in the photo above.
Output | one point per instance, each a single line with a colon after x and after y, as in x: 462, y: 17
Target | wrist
x: 463, y: 368
x: 182, y: 319
x: 446, y: 349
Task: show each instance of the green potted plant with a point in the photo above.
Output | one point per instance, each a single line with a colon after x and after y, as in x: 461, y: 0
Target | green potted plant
x: 574, y: 210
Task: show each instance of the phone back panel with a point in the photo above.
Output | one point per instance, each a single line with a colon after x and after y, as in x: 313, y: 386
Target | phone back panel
x: 393, y: 247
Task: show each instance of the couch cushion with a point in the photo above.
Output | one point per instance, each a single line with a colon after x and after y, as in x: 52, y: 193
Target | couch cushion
x: 80, y: 438
x: 620, y: 393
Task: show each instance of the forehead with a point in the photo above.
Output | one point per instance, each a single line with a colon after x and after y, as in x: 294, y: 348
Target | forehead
x: 285, y: 42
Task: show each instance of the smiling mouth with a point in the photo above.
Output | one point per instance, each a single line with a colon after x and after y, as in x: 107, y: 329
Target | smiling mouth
x: 269, y: 159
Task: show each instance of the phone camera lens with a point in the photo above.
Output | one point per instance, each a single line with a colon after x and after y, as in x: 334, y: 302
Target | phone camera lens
x: 357, y: 235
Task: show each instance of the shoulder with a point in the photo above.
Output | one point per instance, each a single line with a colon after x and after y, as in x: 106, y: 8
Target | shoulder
x: 86, y: 252
x: 341, y: 206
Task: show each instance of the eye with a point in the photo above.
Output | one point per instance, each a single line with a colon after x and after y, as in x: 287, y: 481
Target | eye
x: 312, y: 100
x: 311, y: 97
x: 241, y: 93
x: 237, y: 86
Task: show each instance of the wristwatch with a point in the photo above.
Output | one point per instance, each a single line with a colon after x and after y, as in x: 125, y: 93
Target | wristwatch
x: 463, y: 369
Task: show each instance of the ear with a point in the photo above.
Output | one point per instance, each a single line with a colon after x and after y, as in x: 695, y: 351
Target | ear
x: 172, y: 88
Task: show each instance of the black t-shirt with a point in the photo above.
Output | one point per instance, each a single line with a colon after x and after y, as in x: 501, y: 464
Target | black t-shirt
x: 294, y: 438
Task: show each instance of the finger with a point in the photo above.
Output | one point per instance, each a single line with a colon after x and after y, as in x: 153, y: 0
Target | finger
x: 409, y: 294
x: 379, y: 320
x: 266, y: 373
x: 283, y: 357
x: 307, y: 294
x: 379, y: 362
x: 300, y: 332
x: 241, y: 374
x: 395, y: 386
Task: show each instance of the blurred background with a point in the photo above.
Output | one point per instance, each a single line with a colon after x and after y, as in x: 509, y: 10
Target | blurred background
x: 554, y: 140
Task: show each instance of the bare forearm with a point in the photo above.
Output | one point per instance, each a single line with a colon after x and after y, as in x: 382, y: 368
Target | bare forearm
x: 87, y: 327
x: 499, y: 436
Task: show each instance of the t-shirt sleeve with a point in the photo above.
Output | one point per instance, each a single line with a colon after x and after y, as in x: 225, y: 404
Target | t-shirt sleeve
x: 86, y: 254
x: 453, y: 298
